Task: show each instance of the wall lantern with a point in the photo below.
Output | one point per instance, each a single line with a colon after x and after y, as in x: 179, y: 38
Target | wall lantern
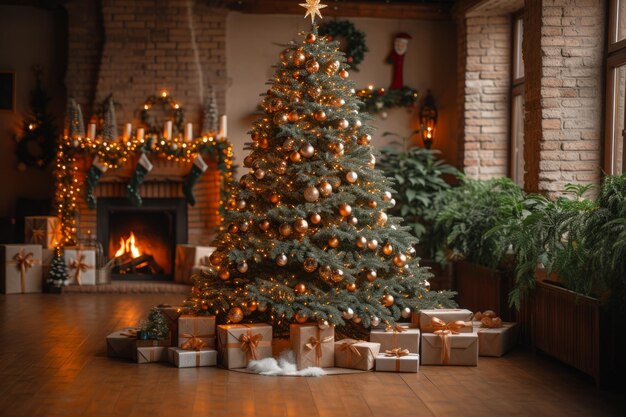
x: 428, y: 119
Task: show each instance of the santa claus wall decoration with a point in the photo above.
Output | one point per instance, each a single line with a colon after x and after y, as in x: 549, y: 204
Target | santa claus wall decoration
x: 396, y: 58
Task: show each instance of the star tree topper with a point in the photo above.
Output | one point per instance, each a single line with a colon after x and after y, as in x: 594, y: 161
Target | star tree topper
x: 313, y: 8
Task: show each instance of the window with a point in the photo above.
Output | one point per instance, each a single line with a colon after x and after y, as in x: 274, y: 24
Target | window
x: 517, y: 102
x: 615, y: 115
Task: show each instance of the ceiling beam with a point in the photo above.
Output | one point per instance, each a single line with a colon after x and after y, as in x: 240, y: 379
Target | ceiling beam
x: 347, y: 8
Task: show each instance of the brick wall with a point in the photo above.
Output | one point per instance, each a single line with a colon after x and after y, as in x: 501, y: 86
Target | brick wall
x: 486, y: 84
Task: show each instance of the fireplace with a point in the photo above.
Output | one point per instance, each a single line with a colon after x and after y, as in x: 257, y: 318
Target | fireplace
x: 141, y: 240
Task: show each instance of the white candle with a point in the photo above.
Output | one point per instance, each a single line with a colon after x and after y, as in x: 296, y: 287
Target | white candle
x: 189, y: 132
x: 223, y: 131
x: 91, y: 131
x: 140, y: 133
x: 167, y: 133
x: 128, y: 131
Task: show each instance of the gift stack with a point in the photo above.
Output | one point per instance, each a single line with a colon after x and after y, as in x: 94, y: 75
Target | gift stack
x: 448, y: 337
x: 191, y: 260
x: 399, y: 348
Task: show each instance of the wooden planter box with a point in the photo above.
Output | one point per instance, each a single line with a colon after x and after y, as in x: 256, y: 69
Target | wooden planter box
x: 480, y: 288
x: 566, y: 326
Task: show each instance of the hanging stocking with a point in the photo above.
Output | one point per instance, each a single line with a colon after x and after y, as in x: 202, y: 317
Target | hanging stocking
x: 96, y: 170
x: 143, y: 167
x: 198, y: 168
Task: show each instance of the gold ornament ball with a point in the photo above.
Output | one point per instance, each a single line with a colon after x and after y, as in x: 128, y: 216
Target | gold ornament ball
x: 233, y: 228
x: 293, y: 117
x: 339, y: 149
x: 281, y: 260
x: 307, y: 150
x: 381, y: 218
x: 252, y: 305
x: 345, y: 210
x: 323, y: 324
x: 387, y: 300
x: 351, y: 177
x: 344, y: 74
x: 320, y: 115
x: 364, y: 140
x: 357, y: 319
x: 224, y: 274
x: 325, y: 188
x: 333, y: 242
x: 399, y: 260
x: 372, y: 244
x: 242, y: 267
x: 338, y: 275
x: 310, y: 265
x: 310, y: 38
x: 343, y: 124
x: 311, y: 194
x: 339, y: 102
x: 248, y: 160
x: 360, y: 242
x: 353, y: 221
x: 264, y: 225
x: 274, y: 198
x: 264, y: 143
x: 289, y: 143
x: 312, y: 66
x: 259, y: 174
x: 315, y: 218
x: 298, y: 58
x: 301, y: 317
x: 301, y: 225
x: 216, y: 258
x: 285, y: 229
x: 299, y: 288
x: 325, y: 272
x: 281, y: 118
x: 411, y: 251
x: 351, y: 287
x: 371, y: 275
x: 388, y: 249
x: 372, y: 204
x: 295, y: 156
x: 235, y: 315
x: 332, y: 67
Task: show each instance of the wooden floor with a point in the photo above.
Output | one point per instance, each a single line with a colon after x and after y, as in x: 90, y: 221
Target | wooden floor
x: 53, y: 363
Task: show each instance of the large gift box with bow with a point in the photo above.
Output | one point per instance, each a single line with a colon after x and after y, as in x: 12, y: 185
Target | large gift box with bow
x: 81, y: 265
x: 397, y: 360
x: 42, y: 230
x: 495, y: 338
x: 460, y: 319
x: 445, y: 348
x: 238, y: 344
x: 193, y: 358
x: 196, y: 332
x: 187, y: 257
x: 21, y: 269
x: 312, y: 346
x: 396, y: 336
x: 152, y: 354
x: 356, y: 354
x: 122, y: 343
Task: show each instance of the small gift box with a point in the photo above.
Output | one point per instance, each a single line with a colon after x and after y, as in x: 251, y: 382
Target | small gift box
x: 495, y: 339
x: 396, y: 336
x: 42, y: 230
x: 122, y: 344
x: 81, y: 265
x: 188, y: 256
x: 238, y: 344
x: 193, y: 358
x: 21, y: 272
x: 460, y: 319
x: 356, y: 354
x: 196, y: 331
x: 171, y: 314
x: 151, y: 354
x: 397, y: 360
x: 312, y: 346
x: 444, y: 348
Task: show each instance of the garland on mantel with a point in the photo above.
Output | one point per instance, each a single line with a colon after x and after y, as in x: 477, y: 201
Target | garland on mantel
x: 112, y: 155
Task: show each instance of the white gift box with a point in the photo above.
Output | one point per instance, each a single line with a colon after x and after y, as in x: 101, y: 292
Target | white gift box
x: 193, y: 358
x: 463, y: 349
x: 21, y: 269
x: 390, y: 339
x: 393, y: 363
x: 188, y: 256
x: 81, y: 265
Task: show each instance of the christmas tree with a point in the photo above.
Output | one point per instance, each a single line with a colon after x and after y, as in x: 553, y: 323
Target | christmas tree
x: 307, y: 237
x: 58, y: 275
x: 157, y: 325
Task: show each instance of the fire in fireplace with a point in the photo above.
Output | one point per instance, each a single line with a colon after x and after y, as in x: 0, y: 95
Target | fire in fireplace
x: 142, y: 241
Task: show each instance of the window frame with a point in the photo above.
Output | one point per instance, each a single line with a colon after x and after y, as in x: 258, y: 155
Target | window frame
x: 516, y: 89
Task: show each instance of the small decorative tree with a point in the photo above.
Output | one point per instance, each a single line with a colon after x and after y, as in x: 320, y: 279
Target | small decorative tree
x: 157, y: 325
x: 58, y: 275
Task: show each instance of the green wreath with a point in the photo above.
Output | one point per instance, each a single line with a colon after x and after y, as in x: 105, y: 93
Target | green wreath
x: 355, y: 47
x: 166, y: 101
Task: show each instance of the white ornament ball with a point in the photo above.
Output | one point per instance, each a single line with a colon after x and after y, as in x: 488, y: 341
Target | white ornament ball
x: 406, y: 312
x: 375, y: 321
x: 348, y: 314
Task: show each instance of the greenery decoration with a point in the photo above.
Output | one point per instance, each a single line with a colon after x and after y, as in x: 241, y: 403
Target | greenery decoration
x: 355, y: 47
x: 166, y: 102
x: 377, y: 101
x: 36, y: 144
x: 157, y: 325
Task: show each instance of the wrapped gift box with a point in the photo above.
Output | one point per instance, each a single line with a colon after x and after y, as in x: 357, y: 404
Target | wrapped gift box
x: 463, y: 349
x: 496, y: 341
x: 171, y: 314
x: 394, y: 363
x: 356, y: 354
x: 81, y: 265
x: 238, y: 344
x: 312, y: 346
x: 397, y: 337
x: 21, y: 269
x: 193, y: 358
x: 122, y: 344
x: 151, y: 354
x: 152, y: 343
x: 447, y: 315
x: 188, y: 256
x: 42, y: 230
x: 196, y: 329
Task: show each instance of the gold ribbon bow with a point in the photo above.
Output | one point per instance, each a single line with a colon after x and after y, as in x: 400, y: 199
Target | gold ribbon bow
x: 129, y: 333
x: 348, y: 345
x: 396, y: 328
x: 38, y: 236
x: 193, y: 342
x: 23, y: 261
x: 316, y: 343
x: 79, y: 265
x: 249, y: 343
x: 490, y: 323
x: 444, y: 330
x: 397, y: 352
